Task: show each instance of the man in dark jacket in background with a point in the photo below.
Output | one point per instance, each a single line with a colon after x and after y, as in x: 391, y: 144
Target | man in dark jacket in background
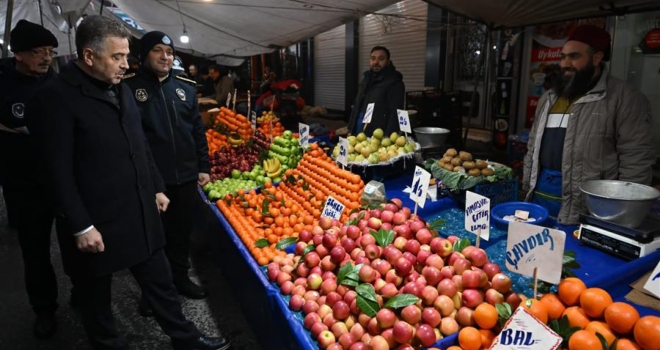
x: 106, y: 188
x: 22, y: 184
x: 175, y: 131
x: 383, y: 86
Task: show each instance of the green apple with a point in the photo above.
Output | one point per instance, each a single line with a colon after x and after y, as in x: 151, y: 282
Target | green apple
x: 352, y: 140
x: 374, y: 141
x: 359, y: 158
x: 361, y: 137
x: 260, y: 179
x: 392, y: 153
x: 374, y: 158
x: 401, y: 150
x: 335, y: 152
x: 235, y: 174
x: 393, y: 136
x: 401, y: 141
x: 383, y: 157
x: 374, y: 148
x: 351, y: 149
x: 358, y: 148
x: 351, y: 157
x: 378, y: 133
x: 386, y: 143
x: 409, y: 147
x: 366, y: 152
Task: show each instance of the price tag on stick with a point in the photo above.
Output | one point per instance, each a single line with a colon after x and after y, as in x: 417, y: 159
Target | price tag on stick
x: 333, y: 208
x: 249, y: 105
x: 652, y: 285
x: 524, y: 331
x: 404, y: 120
x: 477, y: 215
x: 234, y: 101
x: 303, y: 130
x: 420, y: 186
x: 228, y: 99
x: 253, y: 120
x: 530, y: 247
x: 342, y: 158
x: 368, y: 114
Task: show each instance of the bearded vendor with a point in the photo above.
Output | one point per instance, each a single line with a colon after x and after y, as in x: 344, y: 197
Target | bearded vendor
x: 589, y: 126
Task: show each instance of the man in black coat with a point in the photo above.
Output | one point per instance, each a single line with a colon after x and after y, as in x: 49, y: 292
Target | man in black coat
x: 383, y: 86
x: 175, y: 131
x: 106, y: 187
x: 23, y: 189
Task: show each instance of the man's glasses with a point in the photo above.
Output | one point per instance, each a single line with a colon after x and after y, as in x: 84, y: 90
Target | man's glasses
x: 44, y: 52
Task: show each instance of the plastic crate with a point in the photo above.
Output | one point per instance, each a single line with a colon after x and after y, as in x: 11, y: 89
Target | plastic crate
x: 497, y: 192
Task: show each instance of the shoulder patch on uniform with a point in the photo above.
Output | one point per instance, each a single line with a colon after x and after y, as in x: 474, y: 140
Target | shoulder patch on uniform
x: 186, y: 80
x: 129, y: 75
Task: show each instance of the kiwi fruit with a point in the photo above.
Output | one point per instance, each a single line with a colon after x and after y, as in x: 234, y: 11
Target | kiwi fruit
x: 456, y: 161
x: 447, y: 159
x: 481, y: 164
x: 458, y: 169
x: 487, y: 172
x: 451, y: 152
x: 468, y: 165
x: 465, y: 155
x: 449, y: 167
x: 474, y: 172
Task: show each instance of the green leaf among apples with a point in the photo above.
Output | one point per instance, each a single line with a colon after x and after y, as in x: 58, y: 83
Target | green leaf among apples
x: 401, y: 300
x: 285, y: 242
x: 383, y: 237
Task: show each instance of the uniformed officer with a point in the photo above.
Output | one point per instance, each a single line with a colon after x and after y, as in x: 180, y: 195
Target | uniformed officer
x: 175, y: 132
x: 23, y: 188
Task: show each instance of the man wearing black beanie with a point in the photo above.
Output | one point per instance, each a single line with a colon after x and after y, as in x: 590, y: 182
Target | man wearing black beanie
x: 23, y: 188
x: 175, y: 131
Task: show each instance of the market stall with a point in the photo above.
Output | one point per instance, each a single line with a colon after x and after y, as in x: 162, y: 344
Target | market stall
x: 316, y: 253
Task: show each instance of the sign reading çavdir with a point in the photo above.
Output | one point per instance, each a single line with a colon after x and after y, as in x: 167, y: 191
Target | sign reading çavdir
x: 477, y: 214
x: 333, y: 208
x: 524, y: 331
x: 652, y: 285
x: 530, y: 246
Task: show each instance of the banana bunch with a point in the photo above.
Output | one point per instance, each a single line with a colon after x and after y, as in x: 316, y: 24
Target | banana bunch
x: 273, y: 167
x: 235, y: 140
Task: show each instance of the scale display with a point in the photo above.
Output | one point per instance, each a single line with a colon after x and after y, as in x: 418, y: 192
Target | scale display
x: 626, y: 243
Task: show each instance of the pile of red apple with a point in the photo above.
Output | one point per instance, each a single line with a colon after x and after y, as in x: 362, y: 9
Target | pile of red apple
x: 449, y: 284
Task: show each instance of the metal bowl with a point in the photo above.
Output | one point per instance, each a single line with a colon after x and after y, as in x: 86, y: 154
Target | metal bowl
x: 620, y: 202
x: 430, y: 137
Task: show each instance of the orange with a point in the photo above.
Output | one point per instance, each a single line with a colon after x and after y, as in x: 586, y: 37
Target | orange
x: 576, y: 317
x: 584, y: 340
x: 537, y: 309
x: 621, y: 317
x: 554, y: 306
x: 603, y: 329
x: 625, y: 344
x: 469, y: 338
x: 594, y: 301
x: 485, y: 315
x: 647, y: 332
x: 569, y: 290
x: 453, y: 347
x: 487, y: 337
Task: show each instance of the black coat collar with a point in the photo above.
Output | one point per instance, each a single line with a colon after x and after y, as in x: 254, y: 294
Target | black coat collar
x: 90, y: 86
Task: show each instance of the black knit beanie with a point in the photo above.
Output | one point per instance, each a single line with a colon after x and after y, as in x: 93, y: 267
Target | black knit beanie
x: 27, y: 35
x: 152, y: 39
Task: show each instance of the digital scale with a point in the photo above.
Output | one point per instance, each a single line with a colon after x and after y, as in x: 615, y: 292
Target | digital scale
x: 624, y: 242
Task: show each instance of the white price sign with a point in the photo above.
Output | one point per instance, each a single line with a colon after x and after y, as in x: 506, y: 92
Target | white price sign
x: 343, y: 151
x: 524, y: 331
x: 303, y: 129
x: 333, y: 208
x: 477, y: 214
x: 368, y: 113
x: 530, y: 246
x: 253, y: 119
x: 652, y: 285
x: 404, y: 120
x: 228, y: 99
x: 420, y: 186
